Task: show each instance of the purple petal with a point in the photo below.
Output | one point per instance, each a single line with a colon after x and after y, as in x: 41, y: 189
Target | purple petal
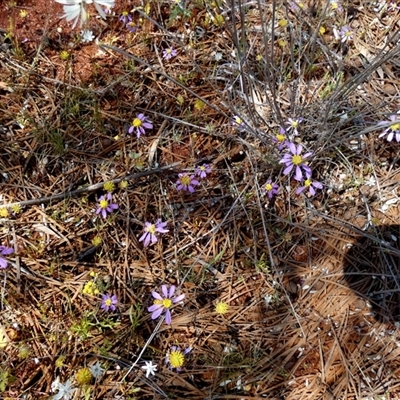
x: 298, y: 175
x: 5, y: 251
x: 130, y: 130
x: 143, y: 237
x: 168, y: 318
x: 292, y: 147
x: 288, y: 169
x: 318, y: 185
x: 171, y: 291
x: 300, y: 189
x: 307, y: 170
x: 157, y: 313
x: 178, y: 298
x: 156, y: 295
x: 164, y: 289
x: 312, y: 191
x: 154, y: 307
x: 299, y: 149
x: 147, y: 125
x: 153, y: 238
x: 3, y: 263
x: 104, y: 213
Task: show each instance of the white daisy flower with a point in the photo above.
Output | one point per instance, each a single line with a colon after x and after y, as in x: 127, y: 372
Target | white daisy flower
x: 150, y: 368
x: 75, y: 9
x: 87, y: 36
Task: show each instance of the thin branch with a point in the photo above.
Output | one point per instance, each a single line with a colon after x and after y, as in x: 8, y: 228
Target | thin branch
x: 90, y: 188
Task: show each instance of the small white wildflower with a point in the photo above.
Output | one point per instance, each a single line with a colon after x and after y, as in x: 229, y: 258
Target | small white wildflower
x: 65, y: 391
x: 87, y: 36
x: 55, y: 385
x: 75, y: 9
x: 149, y: 368
x: 97, y: 370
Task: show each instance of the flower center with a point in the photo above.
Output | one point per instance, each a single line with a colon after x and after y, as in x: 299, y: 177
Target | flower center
x: 108, y: 302
x: 307, y: 183
x: 335, y: 6
x: 280, y: 138
x: 151, y: 229
x: 395, y: 127
x: 294, y: 124
x: 103, y: 203
x: 167, y: 303
x: 268, y: 187
x: 137, y: 122
x: 176, y: 359
x: 125, y: 13
x: 185, y: 180
x: 238, y: 120
x: 297, y: 160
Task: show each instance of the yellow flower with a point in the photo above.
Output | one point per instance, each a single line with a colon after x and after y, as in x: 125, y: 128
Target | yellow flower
x: 83, y: 376
x: 90, y: 289
x: 283, y: 23
x: 64, y: 55
x: 221, y: 307
x: 123, y: 184
x: 176, y: 359
x: 60, y: 361
x: 16, y: 208
x: 96, y: 241
x: 4, y: 212
x: 109, y: 186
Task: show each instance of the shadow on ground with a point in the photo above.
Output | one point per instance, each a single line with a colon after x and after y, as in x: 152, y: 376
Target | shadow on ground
x: 372, y: 270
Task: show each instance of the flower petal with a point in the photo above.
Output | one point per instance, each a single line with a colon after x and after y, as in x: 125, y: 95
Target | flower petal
x: 157, y: 296
x: 168, y: 318
x: 164, y: 289
x: 154, y: 307
x: 171, y: 291
x: 178, y: 298
x: 157, y: 313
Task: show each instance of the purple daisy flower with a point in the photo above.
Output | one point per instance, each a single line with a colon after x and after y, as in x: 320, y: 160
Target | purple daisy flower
x: 281, y: 138
x: 131, y: 26
x: 294, y: 159
x: 238, y: 122
x: 203, y: 170
x: 167, y: 54
x: 176, y: 357
x: 164, y: 303
x: 186, y: 182
x: 393, y: 130
x: 125, y: 17
x: 150, y: 231
x: 346, y: 34
x: 105, y: 205
x: 4, y: 251
x: 311, y: 186
x: 140, y: 123
x: 109, y: 302
x: 270, y: 189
